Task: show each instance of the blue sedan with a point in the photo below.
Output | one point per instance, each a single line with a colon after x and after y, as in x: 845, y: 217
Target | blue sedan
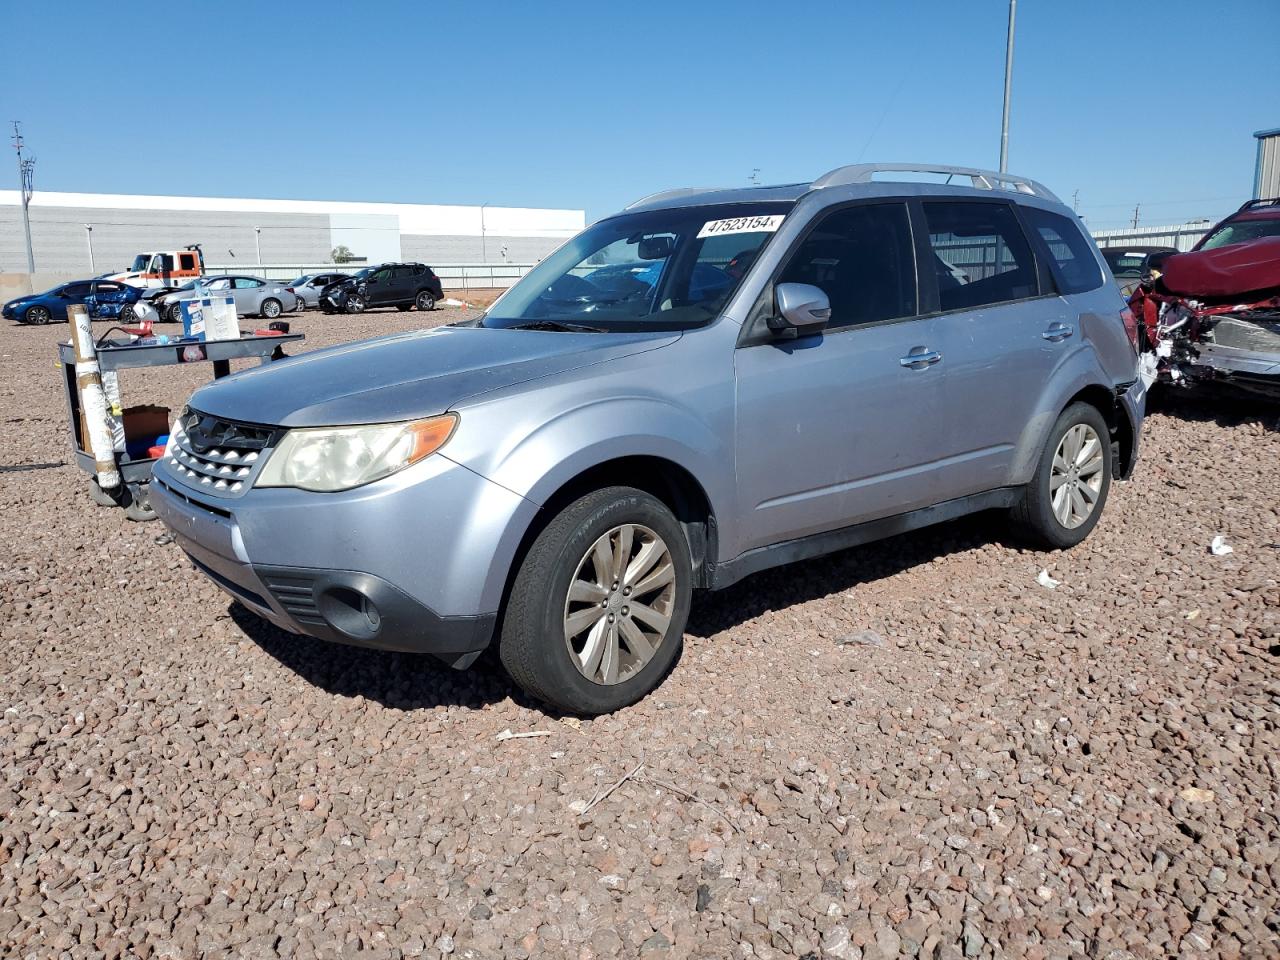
x: 106, y: 300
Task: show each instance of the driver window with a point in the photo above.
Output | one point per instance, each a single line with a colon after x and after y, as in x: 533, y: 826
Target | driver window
x: 863, y: 259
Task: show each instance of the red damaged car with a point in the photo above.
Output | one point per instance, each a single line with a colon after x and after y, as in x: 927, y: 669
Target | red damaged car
x: 1213, y: 314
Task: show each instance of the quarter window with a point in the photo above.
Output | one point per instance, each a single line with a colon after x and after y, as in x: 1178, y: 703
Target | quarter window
x: 980, y: 255
x: 863, y: 260
x: 1077, y: 267
x: 187, y: 261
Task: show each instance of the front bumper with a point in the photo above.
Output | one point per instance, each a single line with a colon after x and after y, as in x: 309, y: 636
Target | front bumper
x: 416, y: 562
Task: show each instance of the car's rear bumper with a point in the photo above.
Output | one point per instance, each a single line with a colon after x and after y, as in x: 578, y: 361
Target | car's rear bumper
x: 1132, y: 401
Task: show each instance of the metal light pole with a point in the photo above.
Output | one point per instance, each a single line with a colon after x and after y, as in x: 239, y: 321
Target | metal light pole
x: 26, y: 170
x: 484, y: 250
x: 88, y: 235
x: 257, y: 241
x: 1008, y: 84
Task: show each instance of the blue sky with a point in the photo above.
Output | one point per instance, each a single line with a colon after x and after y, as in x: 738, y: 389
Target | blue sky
x: 594, y: 104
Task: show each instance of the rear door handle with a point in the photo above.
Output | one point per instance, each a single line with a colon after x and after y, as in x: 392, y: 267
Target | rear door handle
x: 1058, y: 332
x: 919, y: 358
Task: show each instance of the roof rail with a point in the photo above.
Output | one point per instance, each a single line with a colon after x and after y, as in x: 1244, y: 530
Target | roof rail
x: 981, y: 179
x: 1263, y: 202
x: 667, y: 195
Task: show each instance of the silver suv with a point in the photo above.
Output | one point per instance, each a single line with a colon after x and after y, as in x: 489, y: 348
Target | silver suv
x: 707, y: 384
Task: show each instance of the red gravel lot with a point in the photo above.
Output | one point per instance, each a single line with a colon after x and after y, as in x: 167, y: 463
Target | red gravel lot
x: 1014, y: 772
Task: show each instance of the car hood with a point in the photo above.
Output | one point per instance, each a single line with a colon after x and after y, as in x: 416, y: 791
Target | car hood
x: 406, y: 376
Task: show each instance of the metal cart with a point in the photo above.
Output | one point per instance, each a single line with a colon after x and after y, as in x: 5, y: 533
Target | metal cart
x: 135, y: 472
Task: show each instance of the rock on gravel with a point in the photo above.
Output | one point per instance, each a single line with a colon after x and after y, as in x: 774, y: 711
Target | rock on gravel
x: 1012, y: 772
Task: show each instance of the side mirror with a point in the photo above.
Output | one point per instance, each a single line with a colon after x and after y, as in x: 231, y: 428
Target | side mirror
x: 802, y: 310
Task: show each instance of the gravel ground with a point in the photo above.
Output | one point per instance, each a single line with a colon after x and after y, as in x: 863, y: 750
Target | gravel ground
x: 910, y: 749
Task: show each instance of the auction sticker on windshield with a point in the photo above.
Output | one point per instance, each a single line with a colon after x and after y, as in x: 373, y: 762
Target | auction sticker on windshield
x: 720, y: 228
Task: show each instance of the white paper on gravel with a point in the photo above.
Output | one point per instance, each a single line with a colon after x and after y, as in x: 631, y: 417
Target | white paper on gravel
x: 1219, y: 547
x: 1047, y: 581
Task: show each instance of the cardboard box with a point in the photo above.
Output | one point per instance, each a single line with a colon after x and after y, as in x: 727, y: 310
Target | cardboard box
x: 210, y: 318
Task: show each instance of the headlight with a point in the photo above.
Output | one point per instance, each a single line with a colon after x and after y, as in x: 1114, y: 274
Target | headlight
x: 339, y: 458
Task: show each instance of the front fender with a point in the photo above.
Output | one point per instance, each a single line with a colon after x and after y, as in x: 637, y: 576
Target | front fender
x: 1076, y: 371
x: 535, y: 455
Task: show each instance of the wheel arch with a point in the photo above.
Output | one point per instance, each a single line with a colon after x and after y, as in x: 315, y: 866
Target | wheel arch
x: 1078, y: 378
x: 670, y: 482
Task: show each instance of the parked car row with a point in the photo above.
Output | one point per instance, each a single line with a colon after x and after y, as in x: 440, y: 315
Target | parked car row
x: 400, y: 285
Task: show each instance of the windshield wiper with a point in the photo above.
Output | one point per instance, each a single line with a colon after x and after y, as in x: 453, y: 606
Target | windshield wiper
x: 557, y: 325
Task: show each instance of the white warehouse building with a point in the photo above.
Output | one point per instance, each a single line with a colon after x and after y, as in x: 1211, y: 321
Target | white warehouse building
x: 68, y: 229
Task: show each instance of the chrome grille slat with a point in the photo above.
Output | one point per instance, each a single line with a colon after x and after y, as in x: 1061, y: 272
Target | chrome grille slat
x: 216, y: 456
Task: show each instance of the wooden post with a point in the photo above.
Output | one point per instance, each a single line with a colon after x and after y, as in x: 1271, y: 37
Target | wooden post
x: 93, y: 402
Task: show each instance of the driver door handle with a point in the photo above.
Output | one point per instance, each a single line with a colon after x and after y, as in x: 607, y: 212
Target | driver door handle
x: 920, y: 358
x: 1058, y: 332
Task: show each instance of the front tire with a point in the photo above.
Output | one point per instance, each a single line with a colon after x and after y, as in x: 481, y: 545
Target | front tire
x: 37, y: 316
x: 173, y: 313
x: 355, y: 303
x: 1064, y: 500
x: 126, y: 314
x: 596, y: 615
x: 271, y: 308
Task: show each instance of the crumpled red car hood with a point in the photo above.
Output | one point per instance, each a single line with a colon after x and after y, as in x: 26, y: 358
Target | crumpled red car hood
x: 1230, y: 271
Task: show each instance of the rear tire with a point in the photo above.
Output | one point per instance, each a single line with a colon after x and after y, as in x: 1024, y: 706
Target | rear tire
x: 271, y: 308
x: 626, y: 560
x: 425, y: 300
x: 1064, y: 500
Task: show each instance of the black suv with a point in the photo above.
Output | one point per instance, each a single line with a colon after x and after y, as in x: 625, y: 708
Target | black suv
x: 402, y: 285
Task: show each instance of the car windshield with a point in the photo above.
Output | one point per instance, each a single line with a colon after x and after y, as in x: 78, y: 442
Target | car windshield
x: 1242, y: 231
x: 654, y: 270
x: 141, y: 262
x: 1124, y: 263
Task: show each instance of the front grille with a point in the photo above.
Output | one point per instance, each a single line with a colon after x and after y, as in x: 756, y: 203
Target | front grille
x: 296, y: 594
x: 216, y: 456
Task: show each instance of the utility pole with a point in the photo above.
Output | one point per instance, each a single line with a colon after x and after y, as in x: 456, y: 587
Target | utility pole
x: 257, y: 240
x: 484, y: 250
x: 1008, y: 85
x: 1075, y: 201
x: 26, y: 170
x: 88, y: 235
x: 1136, y: 208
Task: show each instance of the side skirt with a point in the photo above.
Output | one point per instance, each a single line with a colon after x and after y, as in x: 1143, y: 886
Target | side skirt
x: 819, y: 544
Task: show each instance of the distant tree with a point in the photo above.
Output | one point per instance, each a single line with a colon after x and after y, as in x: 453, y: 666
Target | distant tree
x: 341, y: 254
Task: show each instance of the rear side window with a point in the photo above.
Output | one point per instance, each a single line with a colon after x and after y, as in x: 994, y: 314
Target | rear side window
x: 1076, y: 268
x: 862, y: 258
x: 980, y: 255
x: 247, y: 283
x: 403, y: 272
x: 187, y: 261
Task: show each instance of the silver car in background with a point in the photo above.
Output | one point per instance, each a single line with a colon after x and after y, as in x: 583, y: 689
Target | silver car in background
x: 308, y: 286
x: 253, y: 296
x: 703, y: 386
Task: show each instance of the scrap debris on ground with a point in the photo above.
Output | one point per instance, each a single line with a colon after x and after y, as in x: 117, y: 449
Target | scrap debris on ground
x: 1009, y: 771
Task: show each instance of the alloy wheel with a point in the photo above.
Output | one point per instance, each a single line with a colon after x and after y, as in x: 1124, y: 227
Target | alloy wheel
x: 1075, y: 479
x: 619, y: 604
